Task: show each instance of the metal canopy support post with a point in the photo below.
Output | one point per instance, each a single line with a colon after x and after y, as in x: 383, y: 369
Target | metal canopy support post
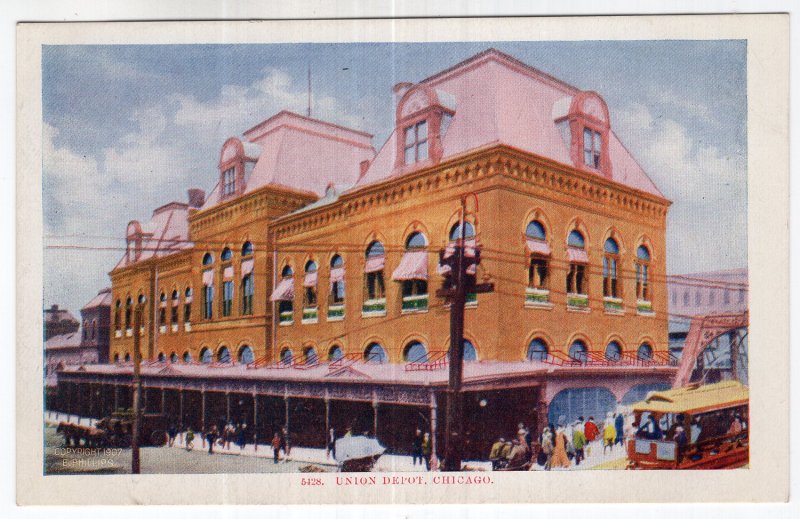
x: 434, y: 423
x: 255, y: 420
x: 227, y: 407
x: 327, y: 422
x: 137, y: 391
x: 116, y: 397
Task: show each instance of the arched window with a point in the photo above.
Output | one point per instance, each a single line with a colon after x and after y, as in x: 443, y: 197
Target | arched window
x: 415, y: 352
x: 413, y: 274
x: 226, y: 254
x: 248, y: 284
x: 142, y: 299
x: 375, y: 290
x: 117, y: 315
x: 416, y: 240
x: 576, y: 240
x: 613, y: 351
x: 127, y: 357
x: 162, y: 311
x: 310, y: 289
x: 223, y: 355
x: 335, y: 353
x: 578, y: 351
x: 94, y: 329
x: 247, y: 249
x: 610, y: 258
x: 375, y: 353
x: 245, y: 355
x: 576, y: 277
x: 116, y: 358
x: 173, y: 357
x: 336, y: 295
x: 536, y: 236
x: 535, y: 231
x: 174, y: 311
x: 643, y: 275
x: 284, y: 295
x: 85, y: 329
x: 455, y: 231
x: 286, y: 356
x: 162, y: 357
x: 128, y: 308
x: 537, y: 350
x: 470, y: 354
x: 205, y: 356
x: 187, y: 357
x: 645, y: 352
x: 187, y: 307
x: 208, y: 259
x: 310, y: 356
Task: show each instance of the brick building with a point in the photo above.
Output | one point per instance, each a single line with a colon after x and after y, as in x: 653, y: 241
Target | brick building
x: 302, y: 288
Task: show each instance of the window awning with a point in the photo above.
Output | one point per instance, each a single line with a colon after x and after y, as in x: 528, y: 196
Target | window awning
x: 577, y: 255
x: 162, y: 304
x: 375, y: 264
x: 284, y: 291
x: 175, y: 302
x: 247, y: 267
x: 227, y: 272
x: 187, y: 299
x: 444, y: 270
x: 413, y: 265
x: 337, y: 275
x: 469, y: 248
x: 538, y: 247
x: 310, y: 280
x: 208, y: 278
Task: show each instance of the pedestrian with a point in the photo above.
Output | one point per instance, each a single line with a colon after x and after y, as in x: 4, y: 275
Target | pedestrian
x: 619, y: 424
x: 590, y: 430
x: 276, y: 447
x: 578, y: 441
x: 189, y: 439
x: 287, y: 444
x: 242, y: 437
x: 331, y: 444
x: 520, y: 454
x: 609, y: 434
x: 228, y: 435
x: 416, y: 448
x: 211, y: 437
x: 546, y: 450
x: 427, y: 449
x: 494, y: 453
x: 172, y: 432
x: 525, y: 432
x: 559, y: 459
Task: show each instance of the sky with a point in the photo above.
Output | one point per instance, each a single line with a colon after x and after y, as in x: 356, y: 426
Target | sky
x: 128, y: 128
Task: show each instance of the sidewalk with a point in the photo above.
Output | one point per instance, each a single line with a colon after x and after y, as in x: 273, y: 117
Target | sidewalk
x: 386, y: 463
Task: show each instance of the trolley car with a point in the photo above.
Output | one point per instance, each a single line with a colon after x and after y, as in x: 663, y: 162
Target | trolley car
x: 694, y: 427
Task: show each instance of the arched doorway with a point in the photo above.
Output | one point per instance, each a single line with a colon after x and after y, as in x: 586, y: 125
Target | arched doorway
x: 584, y: 401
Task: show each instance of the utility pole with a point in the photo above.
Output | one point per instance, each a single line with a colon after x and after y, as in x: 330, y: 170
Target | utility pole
x: 457, y: 284
x: 137, y: 388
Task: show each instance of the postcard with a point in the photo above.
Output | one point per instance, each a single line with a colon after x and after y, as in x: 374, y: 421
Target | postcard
x: 403, y: 261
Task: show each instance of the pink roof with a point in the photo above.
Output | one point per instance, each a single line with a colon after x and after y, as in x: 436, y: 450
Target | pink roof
x: 474, y: 372
x: 66, y: 341
x: 103, y: 298
x: 288, y: 141
x: 167, y: 232
x: 499, y: 100
x: 711, y: 287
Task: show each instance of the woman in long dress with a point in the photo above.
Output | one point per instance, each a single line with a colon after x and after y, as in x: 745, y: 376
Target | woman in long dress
x: 559, y: 458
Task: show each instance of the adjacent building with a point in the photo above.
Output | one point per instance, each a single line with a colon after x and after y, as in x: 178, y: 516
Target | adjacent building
x: 301, y: 290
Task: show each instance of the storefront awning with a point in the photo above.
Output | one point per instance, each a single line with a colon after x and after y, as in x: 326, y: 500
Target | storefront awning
x: 375, y: 264
x: 577, y: 255
x: 247, y: 267
x: 310, y: 280
x: 284, y: 291
x: 538, y: 247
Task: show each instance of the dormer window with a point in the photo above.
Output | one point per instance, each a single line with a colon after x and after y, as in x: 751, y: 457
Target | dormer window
x: 229, y: 182
x: 592, y: 144
x: 416, y: 142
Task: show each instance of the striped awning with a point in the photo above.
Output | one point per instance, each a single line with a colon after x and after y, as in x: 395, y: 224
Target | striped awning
x: 577, y: 255
x: 375, y: 264
x: 208, y: 278
x: 413, y: 265
x: 337, y: 274
x: 247, y: 267
x: 538, y: 247
x: 310, y: 280
x: 227, y: 272
x: 284, y: 291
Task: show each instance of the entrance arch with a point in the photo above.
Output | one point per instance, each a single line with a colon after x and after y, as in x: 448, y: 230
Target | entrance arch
x: 584, y: 401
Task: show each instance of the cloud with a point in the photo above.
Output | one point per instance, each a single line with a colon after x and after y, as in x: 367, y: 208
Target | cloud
x: 707, y: 224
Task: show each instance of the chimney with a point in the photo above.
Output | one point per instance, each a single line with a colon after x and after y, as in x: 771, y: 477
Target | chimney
x: 197, y: 197
x: 54, y: 308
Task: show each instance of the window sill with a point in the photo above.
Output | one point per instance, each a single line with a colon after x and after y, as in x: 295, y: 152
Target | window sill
x: 374, y: 313
x: 310, y: 320
x: 645, y: 313
x: 162, y: 329
x: 579, y: 309
x: 129, y: 333
x: 285, y: 323
x: 335, y: 318
x: 118, y: 333
x: 412, y: 311
x: 613, y: 305
x: 174, y: 328
x: 539, y: 305
x: 187, y: 327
